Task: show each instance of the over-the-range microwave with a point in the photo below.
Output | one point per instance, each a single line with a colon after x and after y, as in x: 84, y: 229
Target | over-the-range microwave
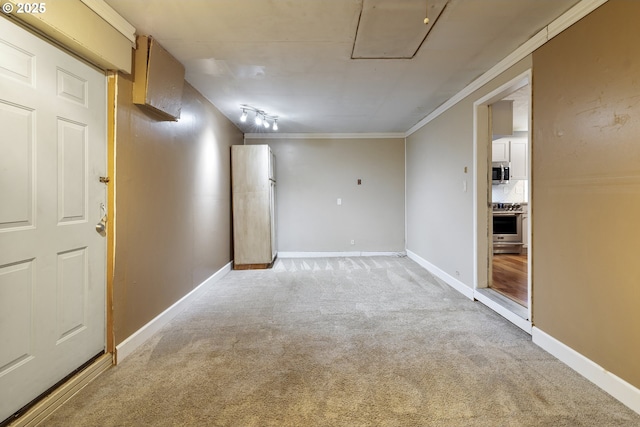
x: 500, y: 172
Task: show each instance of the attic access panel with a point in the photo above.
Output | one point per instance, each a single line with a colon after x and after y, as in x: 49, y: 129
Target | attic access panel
x: 394, y: 29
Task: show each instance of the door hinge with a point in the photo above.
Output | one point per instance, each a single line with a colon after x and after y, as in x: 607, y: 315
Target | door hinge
x: 104, y: 179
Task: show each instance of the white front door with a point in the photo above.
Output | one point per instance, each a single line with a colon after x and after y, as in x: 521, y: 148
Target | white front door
x: 52, y: 259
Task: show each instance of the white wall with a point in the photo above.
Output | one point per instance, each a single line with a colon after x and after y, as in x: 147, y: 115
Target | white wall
x: 515, y: 191
x: 313, y: 173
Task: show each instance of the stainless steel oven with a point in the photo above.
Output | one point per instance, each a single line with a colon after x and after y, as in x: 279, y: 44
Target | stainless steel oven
x: 507, y: 228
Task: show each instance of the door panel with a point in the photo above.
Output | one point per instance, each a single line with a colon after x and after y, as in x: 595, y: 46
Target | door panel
x: 72, y: 293
x: 17, y: 63
x: 17, y: 166
x: 72, y: 149
x: 52, y: 260
x: 71, y: 87
x: 16, y: 298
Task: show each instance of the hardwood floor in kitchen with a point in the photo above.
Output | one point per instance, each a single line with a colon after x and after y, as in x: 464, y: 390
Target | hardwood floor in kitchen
x: 510, y: 277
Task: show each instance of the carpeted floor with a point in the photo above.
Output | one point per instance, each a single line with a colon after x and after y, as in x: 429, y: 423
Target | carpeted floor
x: 340, y: 342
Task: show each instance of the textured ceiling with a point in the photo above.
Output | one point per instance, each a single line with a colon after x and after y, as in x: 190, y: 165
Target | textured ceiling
x: 292, y: 58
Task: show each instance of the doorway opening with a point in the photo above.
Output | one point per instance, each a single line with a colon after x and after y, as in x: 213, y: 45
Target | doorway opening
x: 503, y: 186
x: 510, y: 196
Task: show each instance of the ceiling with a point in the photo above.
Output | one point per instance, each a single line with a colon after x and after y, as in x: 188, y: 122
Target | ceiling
x: 293, y: 58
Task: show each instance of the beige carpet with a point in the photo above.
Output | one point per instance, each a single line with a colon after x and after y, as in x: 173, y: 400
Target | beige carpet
x: 340, y: 342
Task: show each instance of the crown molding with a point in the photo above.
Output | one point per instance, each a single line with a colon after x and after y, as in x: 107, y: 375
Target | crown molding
x: 529, y: 46
x: 573, y: 15
x: 275, y: 135
x: 570, y: 17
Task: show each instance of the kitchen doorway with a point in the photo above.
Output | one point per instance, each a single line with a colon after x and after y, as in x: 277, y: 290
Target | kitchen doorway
x: 510, y: 196
x: 502, y: 147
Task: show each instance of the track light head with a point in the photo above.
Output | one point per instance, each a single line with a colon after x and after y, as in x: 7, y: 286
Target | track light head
x: 262, y: 118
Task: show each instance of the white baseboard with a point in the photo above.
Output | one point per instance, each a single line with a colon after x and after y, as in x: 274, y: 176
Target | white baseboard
x: 128, y: 346
x: 335, y: 254
x: 610, y: 383
x: 448, y: 279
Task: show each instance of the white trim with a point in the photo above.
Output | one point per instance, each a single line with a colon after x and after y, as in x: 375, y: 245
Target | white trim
x: 62, y: 394
x: 336, y: 254
x: 521, y: 323
x: 482, y: 102
x: 406, y: 227
x: 573, y: 15
x: 512, y: 85
x: 129, y: 345
x: 274, y: 135
x: 505, y: 89
x: 476, y: 243
x: 612, y: 384
x: 112, y: 17
x: 448, y: 279
x: 568, y: 18
x: 502, y: 66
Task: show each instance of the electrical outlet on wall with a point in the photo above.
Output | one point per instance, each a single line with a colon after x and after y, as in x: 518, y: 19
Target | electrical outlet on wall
x: 353, y: 242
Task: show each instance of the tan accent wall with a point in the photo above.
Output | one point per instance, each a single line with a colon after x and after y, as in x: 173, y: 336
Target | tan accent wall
x: 311, y: 174
x: 586, y: 188
x: 172, y: 202
x: 77, y: 27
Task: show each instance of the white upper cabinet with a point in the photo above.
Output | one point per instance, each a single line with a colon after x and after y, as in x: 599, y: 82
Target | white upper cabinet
x: 500, y: 150
x: 514, y: 150
x: 519, y: 152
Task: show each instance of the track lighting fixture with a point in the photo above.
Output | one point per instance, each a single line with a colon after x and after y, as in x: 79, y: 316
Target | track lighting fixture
x: 261, y: 118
